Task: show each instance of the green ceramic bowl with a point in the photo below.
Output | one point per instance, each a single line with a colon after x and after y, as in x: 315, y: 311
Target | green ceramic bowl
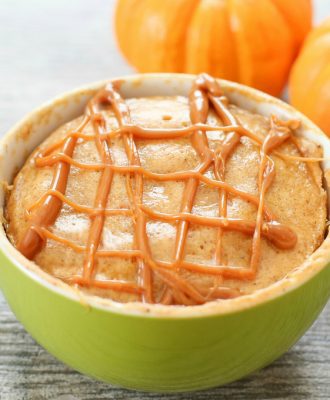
x: 154, y: 347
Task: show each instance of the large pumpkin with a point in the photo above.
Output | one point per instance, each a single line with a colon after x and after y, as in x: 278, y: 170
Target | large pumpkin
x: 249, y: 41
x: 309, y: 85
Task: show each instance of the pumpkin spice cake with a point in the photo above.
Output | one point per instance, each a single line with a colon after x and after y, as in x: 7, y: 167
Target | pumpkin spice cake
x: 172, y: 200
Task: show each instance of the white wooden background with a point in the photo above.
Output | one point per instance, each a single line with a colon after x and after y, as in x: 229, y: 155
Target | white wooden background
x: 47, y: 47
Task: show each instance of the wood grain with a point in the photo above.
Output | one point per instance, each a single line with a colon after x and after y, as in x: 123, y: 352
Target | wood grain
x: 47, y: 47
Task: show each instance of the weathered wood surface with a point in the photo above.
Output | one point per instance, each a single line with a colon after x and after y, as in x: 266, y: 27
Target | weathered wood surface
x: 47, y: 47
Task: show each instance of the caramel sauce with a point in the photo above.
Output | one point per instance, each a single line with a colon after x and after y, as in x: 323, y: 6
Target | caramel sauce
x: 205, y: 93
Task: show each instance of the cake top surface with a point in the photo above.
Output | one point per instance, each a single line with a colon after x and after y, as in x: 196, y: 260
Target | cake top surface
x: 173, y: 200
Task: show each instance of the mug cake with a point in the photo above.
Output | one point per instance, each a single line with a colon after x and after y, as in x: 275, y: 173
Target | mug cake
x: 176, y: 200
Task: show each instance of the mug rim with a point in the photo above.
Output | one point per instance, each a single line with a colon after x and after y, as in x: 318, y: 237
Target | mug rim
x: 314, y: 264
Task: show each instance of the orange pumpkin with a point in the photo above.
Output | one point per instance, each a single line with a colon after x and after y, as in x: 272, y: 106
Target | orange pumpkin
x: 249, y: 41
x: 309, y: 85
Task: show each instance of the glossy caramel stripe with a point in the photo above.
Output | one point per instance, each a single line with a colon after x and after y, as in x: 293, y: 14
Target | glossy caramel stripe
x: 229, y: 144
x: 140, y: 236
x: 199, y: 108
x: 32, y: 242
x: 103, y: 190
x: 140, y: 132
x: 79, y: 207
x: 275, y: 137
x: 121, y: 286
x: 269, y: 230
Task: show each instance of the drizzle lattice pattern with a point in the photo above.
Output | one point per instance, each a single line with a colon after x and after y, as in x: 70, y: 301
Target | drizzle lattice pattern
x: 204, y: 93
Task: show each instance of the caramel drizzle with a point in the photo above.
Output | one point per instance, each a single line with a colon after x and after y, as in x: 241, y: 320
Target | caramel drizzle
x: 32, y: 242
x: 205, y: 92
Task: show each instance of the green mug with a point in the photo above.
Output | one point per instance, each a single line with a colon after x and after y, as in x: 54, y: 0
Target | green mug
x: 155, y: 347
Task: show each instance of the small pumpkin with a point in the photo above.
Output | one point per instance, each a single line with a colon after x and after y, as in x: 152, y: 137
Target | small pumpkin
x: 250, y: 41
x: 309, y: 84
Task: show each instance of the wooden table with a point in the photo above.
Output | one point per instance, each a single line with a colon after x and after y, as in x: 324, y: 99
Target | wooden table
x: 47, y: 47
